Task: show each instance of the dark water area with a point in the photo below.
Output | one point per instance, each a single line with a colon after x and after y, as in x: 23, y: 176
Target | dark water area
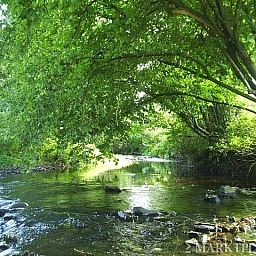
x: 71, y: 214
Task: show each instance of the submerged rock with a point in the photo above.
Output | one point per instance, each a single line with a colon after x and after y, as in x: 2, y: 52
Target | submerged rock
x: 140, y: 211
x: 10, y: 225
x: 3, y: 212
x: 143, y: 214
x: 113, y: 189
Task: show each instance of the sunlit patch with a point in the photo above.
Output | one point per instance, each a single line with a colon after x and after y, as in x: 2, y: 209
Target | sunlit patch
x: 107, y: 164
x: 141, y: 197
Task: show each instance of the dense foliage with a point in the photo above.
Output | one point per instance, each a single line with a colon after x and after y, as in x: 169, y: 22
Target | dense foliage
x: 86, y: 72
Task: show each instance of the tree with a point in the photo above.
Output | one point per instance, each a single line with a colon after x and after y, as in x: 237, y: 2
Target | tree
x: 82, y: 69
x: 231, y: 26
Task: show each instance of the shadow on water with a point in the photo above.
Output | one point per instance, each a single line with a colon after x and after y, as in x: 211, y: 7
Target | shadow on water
x: 70, y: 214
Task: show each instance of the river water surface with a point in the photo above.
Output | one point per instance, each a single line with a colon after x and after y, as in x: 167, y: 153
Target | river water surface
x: 71, y: 214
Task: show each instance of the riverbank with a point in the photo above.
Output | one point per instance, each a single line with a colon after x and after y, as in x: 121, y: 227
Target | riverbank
x: 114, y: 163
x: 117, y: 162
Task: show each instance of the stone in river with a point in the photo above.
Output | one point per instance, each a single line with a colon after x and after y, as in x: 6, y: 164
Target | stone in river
x: 19, y: 205
x: 113, y: 189
x: 238, y: 239
x: 192, y: 242
x: 123, y: 215
x: 211, y: 198
x: 8, y: 216
x: 252, y: 247
x: 194, y: 234
x: 206, y: 227
x: 228, y: 191
x: 140, y: 211
x: 3, y: 246
x: 3, y: 212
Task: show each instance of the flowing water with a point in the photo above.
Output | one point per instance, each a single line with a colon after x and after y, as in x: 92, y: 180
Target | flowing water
x: 70, y: 213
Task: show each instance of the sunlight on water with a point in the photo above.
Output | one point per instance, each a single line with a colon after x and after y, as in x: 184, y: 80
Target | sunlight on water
x: 140, y: 197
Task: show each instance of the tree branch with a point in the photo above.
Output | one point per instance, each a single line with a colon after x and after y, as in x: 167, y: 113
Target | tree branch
x: 192, y: 14
x: 220, y: 29
x: 205, y: 76
x: 184, y: 94
x: 239, y: 70
x: 210, y: 78
x: 192, y: 123
x: 236, y: 19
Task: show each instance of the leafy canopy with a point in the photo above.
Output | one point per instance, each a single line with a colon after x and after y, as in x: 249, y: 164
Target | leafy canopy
x: 81, y: 70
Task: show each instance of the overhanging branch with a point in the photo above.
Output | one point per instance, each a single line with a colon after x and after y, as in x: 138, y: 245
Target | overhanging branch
x: 210, y: 78
x: 184, y: 94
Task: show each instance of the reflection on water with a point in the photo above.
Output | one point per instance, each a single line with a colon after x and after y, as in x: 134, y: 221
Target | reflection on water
x: 70, y: 213
x: 140, y: 196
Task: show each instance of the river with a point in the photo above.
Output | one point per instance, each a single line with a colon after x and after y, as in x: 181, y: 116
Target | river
x: 70, y: 213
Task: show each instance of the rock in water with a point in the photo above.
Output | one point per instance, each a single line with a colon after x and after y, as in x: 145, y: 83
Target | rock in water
x: 192, y: 242
x: 8, y: 216
x: 194, y: 234
x: 3, y: 246
x: 252, y: 247
x: 123, y: 215
x: 211, y: 198
x: 3, y: 212
x: 19, y: 205
x: 140, y: 211
x: 206, y: 227
x: 113, y: 189
x: 238, y: 239
x: 227, y: 191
